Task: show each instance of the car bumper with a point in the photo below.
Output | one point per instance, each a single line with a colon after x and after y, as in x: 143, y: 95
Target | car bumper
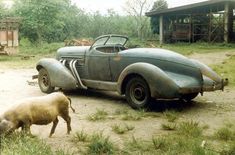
x: 208, y: 85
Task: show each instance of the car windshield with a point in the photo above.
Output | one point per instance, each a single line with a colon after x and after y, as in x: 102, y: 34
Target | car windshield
x: 110, y: 40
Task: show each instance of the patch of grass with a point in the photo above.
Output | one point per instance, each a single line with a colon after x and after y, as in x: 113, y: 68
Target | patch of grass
x: 160, y: 143
x: 80, y: 136
x: 189, y: 129
x: 100, y: 144
x: 19, y: 143
x: 225, y: 133
x: 29, y: 54
x: 131, y: 117
x: 226, y: 70
x: 171, y: 115
x: 203, y: 47
x: 168, y: 126
x: 100, y: 114
x: 137, y: 146
x: 135, y: 115
x: 185, y: 48
x: 121, y: 111
x: 230, y: 150
x: 121, y: 129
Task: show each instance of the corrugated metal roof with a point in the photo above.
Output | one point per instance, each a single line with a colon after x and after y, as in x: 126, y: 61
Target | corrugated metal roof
x: 218, y: 3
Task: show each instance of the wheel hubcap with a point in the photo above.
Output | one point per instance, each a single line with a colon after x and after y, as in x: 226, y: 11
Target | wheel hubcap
x: 45, y: 80
x: 138, y: 93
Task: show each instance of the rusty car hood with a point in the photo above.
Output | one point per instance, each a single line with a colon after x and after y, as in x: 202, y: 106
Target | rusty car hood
x: 158, y: 54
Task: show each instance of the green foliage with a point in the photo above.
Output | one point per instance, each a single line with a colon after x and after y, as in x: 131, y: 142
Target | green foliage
x: 22, y: 144
x: 159, y: 5
x: 225, y: 133
x: 80, y: 137
x: 168, y: 126
x: 100, y: 144
x: 160, y: 143
x: 137, y: 146
x: 42, y: 20
x: 226, y: 70
x: 229, y: 150
x: 121, y: 129
x: 132, y: 116
x: 98, y: 115
x: 154, y: 21
x: 171, y: 116
x: 59, y: 20
x: 189, y: 129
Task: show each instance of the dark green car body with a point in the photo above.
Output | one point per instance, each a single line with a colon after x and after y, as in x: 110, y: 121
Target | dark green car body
x: 108, y: 65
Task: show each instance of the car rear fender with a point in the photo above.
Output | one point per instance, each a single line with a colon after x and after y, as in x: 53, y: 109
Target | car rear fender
x: 207, y: 71
x: 160, y: 85
x: 59, y: 75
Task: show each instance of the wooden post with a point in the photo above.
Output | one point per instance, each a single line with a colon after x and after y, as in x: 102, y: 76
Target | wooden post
x: 161, y: 29
x: 228, y: 15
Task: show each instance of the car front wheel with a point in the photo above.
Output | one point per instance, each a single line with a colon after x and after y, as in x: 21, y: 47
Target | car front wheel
x: 137, y: 93
x: 44, y: 81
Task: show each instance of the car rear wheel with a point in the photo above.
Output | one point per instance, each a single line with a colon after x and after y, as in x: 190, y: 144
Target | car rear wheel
x: 44, y: 81
x: 137, y: 93
x: 189, y: 97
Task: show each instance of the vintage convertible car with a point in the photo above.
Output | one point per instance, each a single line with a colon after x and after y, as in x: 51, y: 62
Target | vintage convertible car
x: 140, y: 74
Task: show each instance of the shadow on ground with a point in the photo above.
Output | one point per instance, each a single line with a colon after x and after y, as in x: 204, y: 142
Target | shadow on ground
x: 155, y: 106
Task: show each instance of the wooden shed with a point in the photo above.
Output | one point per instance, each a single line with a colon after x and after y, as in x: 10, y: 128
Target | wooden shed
x: 209, y: 21
x: 9, y: 28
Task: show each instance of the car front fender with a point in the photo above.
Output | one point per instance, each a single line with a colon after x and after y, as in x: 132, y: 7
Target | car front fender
x: 59, y: 75
x: 160, y: 84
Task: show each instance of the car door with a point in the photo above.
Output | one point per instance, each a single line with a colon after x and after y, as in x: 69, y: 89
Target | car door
x: 99, y: 66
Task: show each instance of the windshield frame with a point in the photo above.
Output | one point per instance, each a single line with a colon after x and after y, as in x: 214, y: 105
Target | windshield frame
x: 109, y: 40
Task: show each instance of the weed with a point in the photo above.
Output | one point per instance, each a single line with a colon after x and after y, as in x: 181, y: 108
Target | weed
x: 19, y: 143
x: 190, y: 129
x: 226, y: 69
x: 121, y: 111
x: 138, y: 146
x: 80, y: 137
x: 99, y: 115
x: 131, y: 117
x: 224, y: 133
x: 168, y: 126
x: 230, y: 150
x: 171, y: 116
x: 121, y: 129
x: 100, y: 145
x: 160, y: 143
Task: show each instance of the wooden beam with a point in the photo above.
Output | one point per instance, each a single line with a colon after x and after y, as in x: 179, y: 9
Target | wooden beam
x: 161, y: 29
x: 228, y: 15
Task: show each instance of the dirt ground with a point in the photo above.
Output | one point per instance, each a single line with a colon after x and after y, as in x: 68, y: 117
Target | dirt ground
x: 212, y: 109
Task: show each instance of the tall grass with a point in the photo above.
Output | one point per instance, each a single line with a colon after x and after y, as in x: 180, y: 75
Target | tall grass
x: 22, y: 144
x: 100, y: 144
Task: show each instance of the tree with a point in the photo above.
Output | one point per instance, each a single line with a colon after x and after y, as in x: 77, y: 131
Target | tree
x: 159, y: 5
x: 45, y: 20
x: 5, y: 10
x: 154, y: 21
x: 137, y: 9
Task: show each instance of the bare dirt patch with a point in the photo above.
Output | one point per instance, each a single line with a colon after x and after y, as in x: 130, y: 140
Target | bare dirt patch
x: 212, y: 109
